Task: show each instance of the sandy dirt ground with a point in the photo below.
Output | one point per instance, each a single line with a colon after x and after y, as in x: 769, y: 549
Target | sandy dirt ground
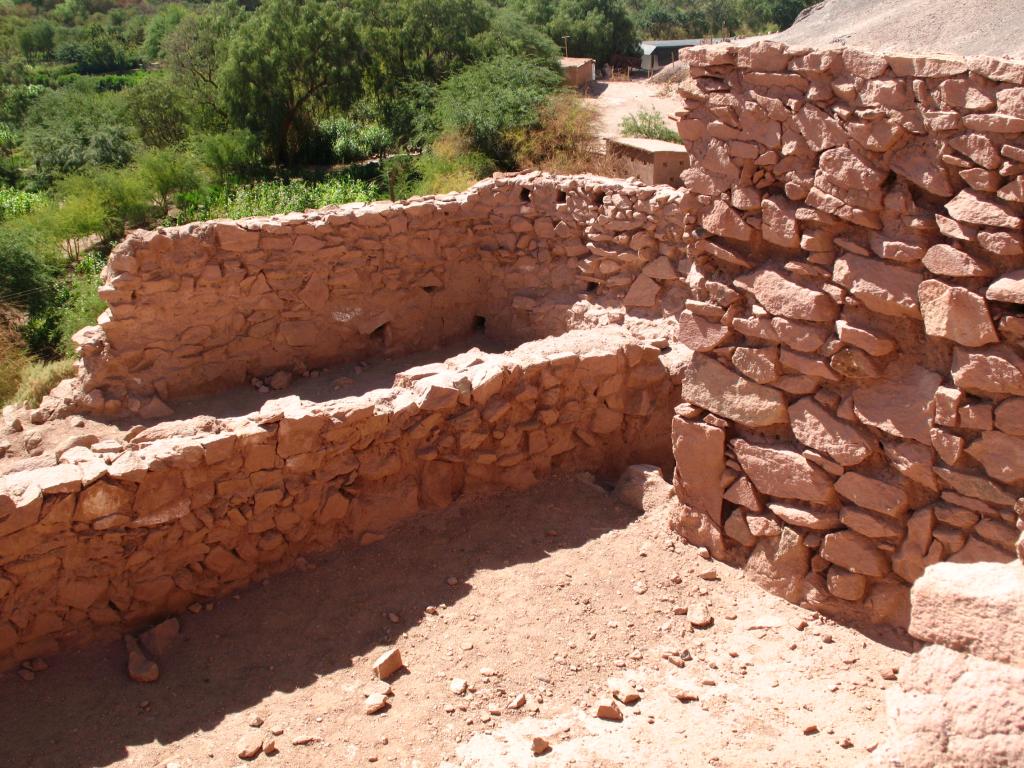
x: 534, y: 600
x: 616, y: 99
x: 961, y: 27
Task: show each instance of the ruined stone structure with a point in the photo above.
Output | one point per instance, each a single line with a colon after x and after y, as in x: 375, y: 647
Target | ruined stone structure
x: 826, y: 315
x: 856, y: 326
x: 960, y: 700
x: 201, y: 308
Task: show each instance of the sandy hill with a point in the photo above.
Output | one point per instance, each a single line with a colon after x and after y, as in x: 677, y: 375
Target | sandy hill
x: 964, y: 27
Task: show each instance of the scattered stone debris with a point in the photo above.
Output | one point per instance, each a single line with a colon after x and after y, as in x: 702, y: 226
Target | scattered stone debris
x: 608, y: 709
x: 375, y: 702
x: 539, y: 746
x: 699, y: 616
x: 623, y: 690
x: 162, y: 638
x: 280, y: 380
x: 388, y: 663
x: 249, y: 745
x: 140, y: 668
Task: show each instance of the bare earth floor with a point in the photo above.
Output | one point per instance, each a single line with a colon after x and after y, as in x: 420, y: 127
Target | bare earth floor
x: 616, y: 99
x: 549, y: 592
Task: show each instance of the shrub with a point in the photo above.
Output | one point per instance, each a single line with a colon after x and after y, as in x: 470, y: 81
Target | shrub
x: 15, y: 101
x: 36, y: 378
x: 341, y: 135
x: 264, y: 198
x: 169, y: 172
x: 15, y: 202
x: 351, y: 140
x: 565, y: 140
x: 450, y: 165
x: 101, y: 202
x: 648, y: 124
x: 158, y: 111
x: 399, y: 175
x: 13, y: 361
x: 159, y: 24
x: 69, y: 129
x: 92, y: 50
x: 36, y: 39
x: 73, y: 304
x: 229, y: 156
x: 488, y: 103
x: 27, y: 264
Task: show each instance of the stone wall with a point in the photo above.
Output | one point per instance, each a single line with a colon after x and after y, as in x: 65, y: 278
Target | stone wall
x: 856, y: 387
x: 119, y: 534
x: 203, y: 307
x: 960, y: 700
x: 839, y: 279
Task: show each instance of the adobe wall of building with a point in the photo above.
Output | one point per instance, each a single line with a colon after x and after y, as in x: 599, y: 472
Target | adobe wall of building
x: 117, y: 535
x: 203, y: 307
x: 856, y: 388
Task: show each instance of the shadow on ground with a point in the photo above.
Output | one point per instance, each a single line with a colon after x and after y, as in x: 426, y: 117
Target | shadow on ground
x: 283, y: 635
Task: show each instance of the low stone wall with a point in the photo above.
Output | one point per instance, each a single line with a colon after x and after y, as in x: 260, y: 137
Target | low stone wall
x: 203, y: 307
x: 854, y: 397
x: 120, y: 534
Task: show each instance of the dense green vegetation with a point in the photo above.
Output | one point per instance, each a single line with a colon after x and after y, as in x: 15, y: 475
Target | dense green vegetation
x: 117, y: 114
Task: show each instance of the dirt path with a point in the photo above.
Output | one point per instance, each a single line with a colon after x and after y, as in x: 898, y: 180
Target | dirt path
x: 547, y: 594
x: 615, y: 100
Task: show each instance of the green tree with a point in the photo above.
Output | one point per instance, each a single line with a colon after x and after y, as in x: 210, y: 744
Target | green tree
x: 159, y: 24
x: 228, y: 156
x: 491, y: 102
x: 596, y: 28
x: 420, y: 39
x: 36, y: 39
x: 193, y: 51
x: 660, y: 20
x: 766, y: 14
x: 159, y: 110
x: 287, y: 63
x: 92, y: 50
x: 169, y: 172
x: 511, y: 34
x: 28, y: 258
x: 70, y: 129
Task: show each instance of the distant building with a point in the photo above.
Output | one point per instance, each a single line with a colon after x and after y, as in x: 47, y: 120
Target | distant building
x: 661, y: 53
x: 578, y: 72
x: 653, y: 161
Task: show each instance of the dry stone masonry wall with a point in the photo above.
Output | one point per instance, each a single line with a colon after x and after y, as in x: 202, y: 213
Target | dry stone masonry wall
x: 823, y: 323
x: 116, y: 535
x: 203, y: 307
x: 855, y: 395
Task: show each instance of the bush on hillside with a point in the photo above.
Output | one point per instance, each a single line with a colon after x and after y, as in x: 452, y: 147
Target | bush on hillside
x: 69, y: 129
x: 565, y: 139
x: 648, y: 124
x: 450, y: 164
x: 490, y: 103
x: 158, y: 111
x: 169, y: 172
x: 229, y: 156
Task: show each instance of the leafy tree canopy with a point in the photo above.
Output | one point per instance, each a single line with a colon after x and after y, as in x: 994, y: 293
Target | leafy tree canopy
x: 288, y: 62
